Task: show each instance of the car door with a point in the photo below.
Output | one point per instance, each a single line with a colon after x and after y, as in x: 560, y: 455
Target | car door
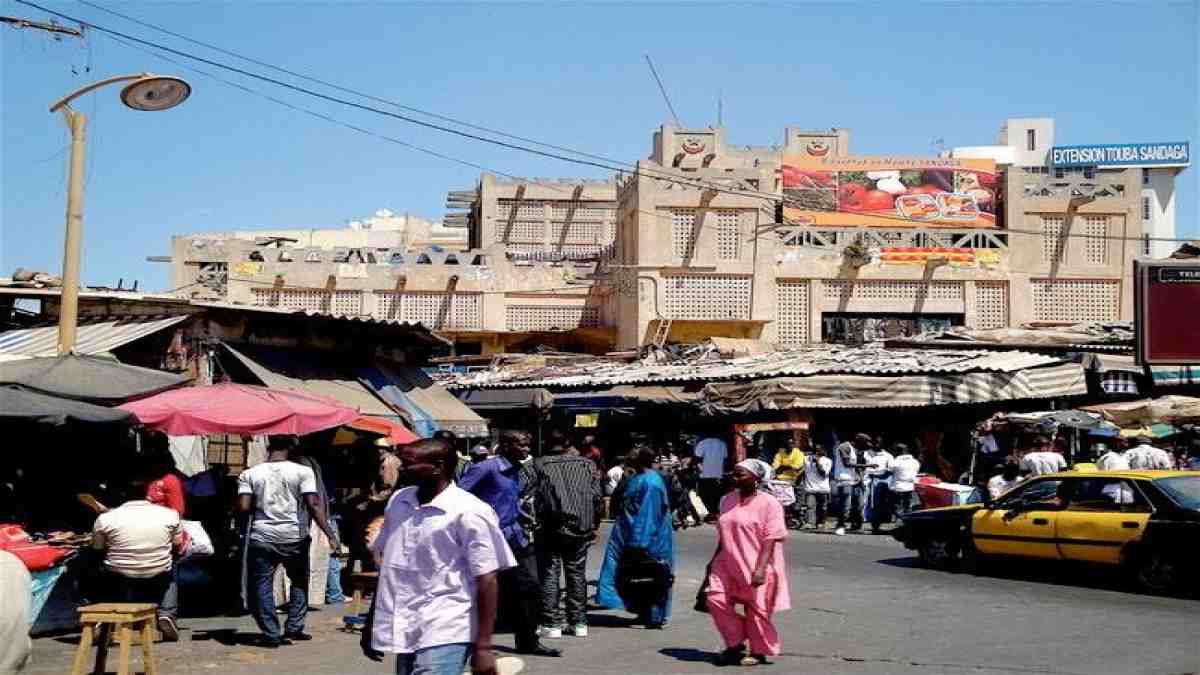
x: 1022, y: 523
x: 1103, y: 515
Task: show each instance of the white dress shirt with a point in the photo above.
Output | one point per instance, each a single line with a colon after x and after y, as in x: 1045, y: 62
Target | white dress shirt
x: 1043, y: 462
x: 430, y: 555
x: 1148, y: 457
x: 1112, y: 461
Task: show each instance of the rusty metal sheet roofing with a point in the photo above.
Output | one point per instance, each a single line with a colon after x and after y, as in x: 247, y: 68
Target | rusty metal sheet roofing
x: 814, y: 360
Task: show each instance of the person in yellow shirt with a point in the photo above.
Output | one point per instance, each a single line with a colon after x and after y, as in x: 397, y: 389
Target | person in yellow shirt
x: 789, y: 464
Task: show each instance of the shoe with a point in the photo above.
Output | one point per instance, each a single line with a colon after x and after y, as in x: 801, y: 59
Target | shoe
x: 748, y: 660
x: 550, y: 632
x: 298, y: 636
x: 841, y: 531
x: 168, y: 628
x: 578, y: 630
x: 758, y: 660
x: 540, y: 650
x: 271, y: 643
x: 731, y: 656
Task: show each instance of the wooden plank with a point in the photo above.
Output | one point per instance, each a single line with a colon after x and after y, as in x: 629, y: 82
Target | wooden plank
x: 149, y: 666
x: 126, y: 648
x: 84, y: 650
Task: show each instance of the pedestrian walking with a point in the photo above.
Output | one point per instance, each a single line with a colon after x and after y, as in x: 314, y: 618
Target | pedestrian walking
x: 847, y: 489
x: 712, y: 453
x: 567, y: 496
x: 877, y: 489
x: 282, y: 497
x: 642, y: 531
x: 816, y: 485
x: 440, y: 552
x: 903, y: 481
x: 1110, y: 460
x: 748, y: 568
x: 1146, y: 457
x: 497, y: 481
x: 1042, y: 459
x: 139, y: 541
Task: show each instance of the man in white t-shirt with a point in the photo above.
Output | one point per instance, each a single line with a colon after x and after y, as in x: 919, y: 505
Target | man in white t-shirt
x: 713, y: 454
x: 903, y: 482
x: 1145, y: 456
x: 1110, y: 460
x: 816, y: 485
x: 1007, y: 479
x: 1042, y: 460
x: 283, y: 496
x: 138, y: 539
x: 876, y: 489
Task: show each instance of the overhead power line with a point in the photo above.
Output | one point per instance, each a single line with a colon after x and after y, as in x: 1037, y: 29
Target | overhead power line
x: 603, y: 163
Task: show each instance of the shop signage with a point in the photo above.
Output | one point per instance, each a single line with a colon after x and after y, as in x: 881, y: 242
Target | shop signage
x: 1121, y: 154
x: 1165, y: 292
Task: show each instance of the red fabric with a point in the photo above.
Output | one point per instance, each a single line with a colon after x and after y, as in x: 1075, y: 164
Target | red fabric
x: 167, y: 491
x: 396, y: 434
x: 238, y: 409
x: 36, y: 556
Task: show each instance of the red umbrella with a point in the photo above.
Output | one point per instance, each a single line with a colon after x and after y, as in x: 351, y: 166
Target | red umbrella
x: 396, y: 433
x: 238, y: 409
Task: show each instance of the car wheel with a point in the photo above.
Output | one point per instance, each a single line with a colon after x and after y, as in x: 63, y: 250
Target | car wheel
x: 939, y: 551
x: 1157, y: 573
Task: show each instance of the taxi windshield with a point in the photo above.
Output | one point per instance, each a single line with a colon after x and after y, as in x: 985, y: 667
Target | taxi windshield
x: 1185, y: 490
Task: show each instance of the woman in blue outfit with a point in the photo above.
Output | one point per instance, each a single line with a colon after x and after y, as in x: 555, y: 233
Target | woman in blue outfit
x: 643, y: 521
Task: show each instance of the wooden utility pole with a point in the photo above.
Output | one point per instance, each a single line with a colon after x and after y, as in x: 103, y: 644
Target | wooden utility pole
x: 41, y: 25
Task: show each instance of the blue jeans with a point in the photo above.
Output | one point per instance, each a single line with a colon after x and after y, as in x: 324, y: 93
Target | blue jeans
x: 847, y: 504
x: 169, y: 606
x: 440, y: 660
x: 262, y: 559
x: 333, y: 584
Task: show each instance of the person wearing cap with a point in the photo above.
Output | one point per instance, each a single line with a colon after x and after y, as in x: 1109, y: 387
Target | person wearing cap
x: 748, y: 569
x: 1145, y: 456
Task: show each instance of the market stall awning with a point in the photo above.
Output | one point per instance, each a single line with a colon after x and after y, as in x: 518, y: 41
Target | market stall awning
x: 880, y: 391
x: 93, y: 379
x: 624, y: 396
x: 239, y: 409
x: 93, y: 337
x: 396, y: 433
x: 299, y: 371
x: 1175, y: 376
x: 431, y: 407
x: 19, y: 405
x: 1165, y: 409
x: 532, y: 398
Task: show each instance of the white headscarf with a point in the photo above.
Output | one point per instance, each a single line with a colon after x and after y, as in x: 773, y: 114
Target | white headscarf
x: 759, y: 468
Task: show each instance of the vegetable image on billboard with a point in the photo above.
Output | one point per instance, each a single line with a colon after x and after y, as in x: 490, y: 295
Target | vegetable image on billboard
x: 891, y: 191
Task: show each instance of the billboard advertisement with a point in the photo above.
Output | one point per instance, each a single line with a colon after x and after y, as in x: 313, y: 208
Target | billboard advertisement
x: 891, y: 191
x: 1165, y: 292
x: 1122, y: 154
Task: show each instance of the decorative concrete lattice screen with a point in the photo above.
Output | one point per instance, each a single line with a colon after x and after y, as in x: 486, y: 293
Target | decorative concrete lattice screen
x: 707, y: 296
x: 338, y: 303
x: 527, y: 210
x: 683, y: 232
x: 576, y: 233
x: 1075, y: 299
x: 1052, y: 242
x: 588, y: 213
x: 792, y: 311
x: 1096, y: 241
x: 436, y: 310
x: 729, y: 240
x: 551, y: 317
x: 519, y: 231
x: 910, y: 291
x: 991, y: 304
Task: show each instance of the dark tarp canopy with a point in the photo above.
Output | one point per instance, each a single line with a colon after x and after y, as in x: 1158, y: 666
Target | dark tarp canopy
x: 92, y: 379
x: 18, y: 405
x: 526, y: 398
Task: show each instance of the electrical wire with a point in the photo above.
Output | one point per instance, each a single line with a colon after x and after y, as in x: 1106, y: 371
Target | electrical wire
x: 638, y: 170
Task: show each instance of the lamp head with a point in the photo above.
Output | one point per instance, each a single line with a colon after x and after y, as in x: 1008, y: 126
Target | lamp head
x: 155, y: 92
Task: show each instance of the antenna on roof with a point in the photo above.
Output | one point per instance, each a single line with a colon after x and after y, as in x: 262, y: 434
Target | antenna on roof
x: 662, y: 89
x: 719, y: 102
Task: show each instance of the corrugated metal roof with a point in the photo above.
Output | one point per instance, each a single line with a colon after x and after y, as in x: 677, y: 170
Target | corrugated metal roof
x: 814, y: 360
x: 93, y: 337
x: 304, y: 377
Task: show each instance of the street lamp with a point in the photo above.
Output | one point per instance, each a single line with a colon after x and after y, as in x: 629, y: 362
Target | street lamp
x: 144, y: 92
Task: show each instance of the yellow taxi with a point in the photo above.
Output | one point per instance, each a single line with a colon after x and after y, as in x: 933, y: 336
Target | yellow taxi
x: 1142, y: 520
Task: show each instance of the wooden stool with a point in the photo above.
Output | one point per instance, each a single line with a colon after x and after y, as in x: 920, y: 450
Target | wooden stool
x: 126, y: 618
x: 361, y: 582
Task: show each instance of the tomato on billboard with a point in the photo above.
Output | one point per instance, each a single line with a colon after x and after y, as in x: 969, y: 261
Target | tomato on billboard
x: 891, y: 191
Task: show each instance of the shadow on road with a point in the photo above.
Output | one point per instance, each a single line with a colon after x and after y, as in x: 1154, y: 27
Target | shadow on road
x: 689, y: 655
x: 227, y: 636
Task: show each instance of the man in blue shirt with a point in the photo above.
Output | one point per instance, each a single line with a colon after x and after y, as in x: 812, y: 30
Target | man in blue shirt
x: 497, y: 481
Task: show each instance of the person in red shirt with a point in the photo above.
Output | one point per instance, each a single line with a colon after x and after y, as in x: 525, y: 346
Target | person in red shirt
x: 164, y: 488
x: 589, y: 450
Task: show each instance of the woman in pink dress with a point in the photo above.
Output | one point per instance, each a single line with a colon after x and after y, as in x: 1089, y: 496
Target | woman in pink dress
x: 748, y: 569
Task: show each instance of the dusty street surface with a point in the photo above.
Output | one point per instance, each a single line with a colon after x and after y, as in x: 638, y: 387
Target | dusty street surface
x: 861, y: 606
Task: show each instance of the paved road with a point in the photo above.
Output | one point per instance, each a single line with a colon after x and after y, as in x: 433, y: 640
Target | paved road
x: 861, y: 606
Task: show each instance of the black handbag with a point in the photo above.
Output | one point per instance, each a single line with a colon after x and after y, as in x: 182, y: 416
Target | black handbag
x: 642, y: 580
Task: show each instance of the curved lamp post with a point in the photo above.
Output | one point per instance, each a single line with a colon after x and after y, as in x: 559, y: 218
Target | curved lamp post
x: 144, y: 92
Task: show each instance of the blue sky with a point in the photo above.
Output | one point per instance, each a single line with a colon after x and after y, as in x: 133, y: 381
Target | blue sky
x: 899, y: 75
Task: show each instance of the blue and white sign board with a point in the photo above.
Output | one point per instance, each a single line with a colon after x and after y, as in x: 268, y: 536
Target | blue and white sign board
x: 1121, y: 154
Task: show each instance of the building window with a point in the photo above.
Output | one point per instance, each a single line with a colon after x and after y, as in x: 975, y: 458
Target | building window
x: 1145, y: 176
x: 1060, y: 173
x: 1146, y: 215
x: 1089, y: 172
x: 1030, y: 140
x: 1145, y: 244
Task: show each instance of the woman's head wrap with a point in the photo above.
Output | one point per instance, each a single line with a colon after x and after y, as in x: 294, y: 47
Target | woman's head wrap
x: 759, y: 468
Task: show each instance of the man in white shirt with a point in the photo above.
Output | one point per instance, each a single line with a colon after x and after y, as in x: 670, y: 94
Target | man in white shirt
x: 1110, y: 460
x: 713, y: 454
x: 1042, y: 460
x: 905, y: 468
x: 439, y: 553
x: 138, y: 539
x: 847, y: 482
x: 816, y: 485
x: 282, y: 496
x: 1145, y: 456
x: 879, y: 467
x: 16, y: 587
x: 1007, y: 479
